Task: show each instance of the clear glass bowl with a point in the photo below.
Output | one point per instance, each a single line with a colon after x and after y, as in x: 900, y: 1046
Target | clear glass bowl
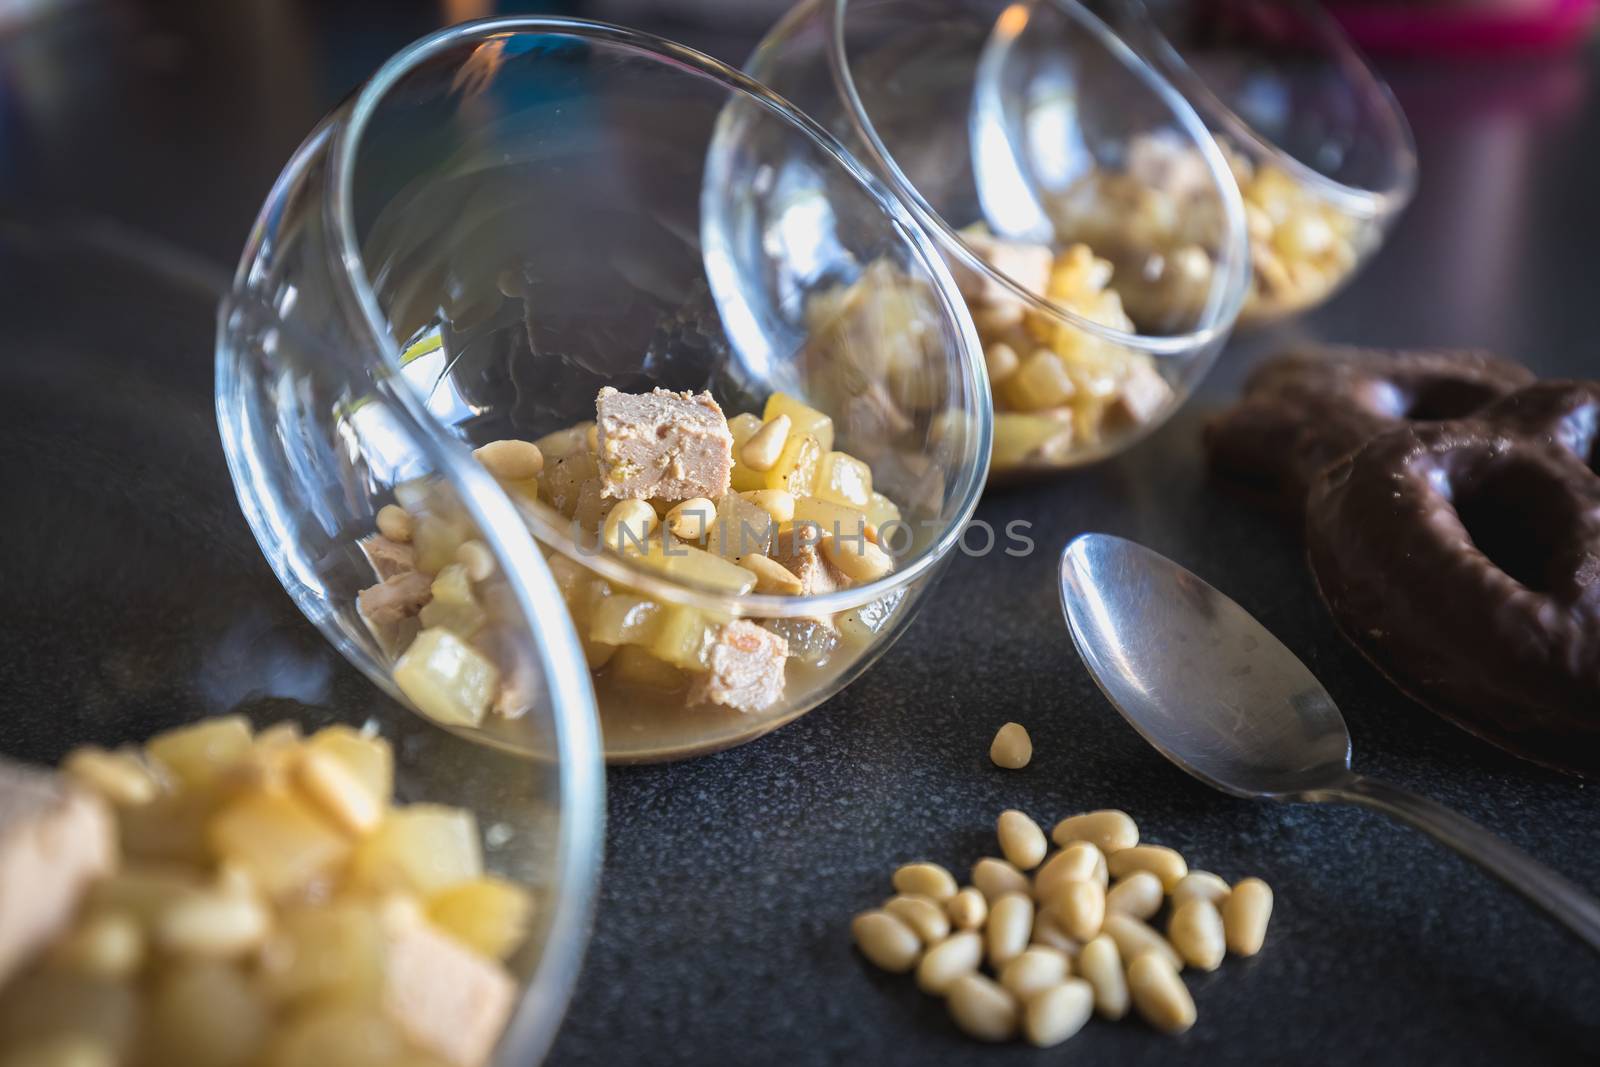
x: 126, y: 501
x: 512, y: 215
x: 1086, y: 210
x: 1321, y: 150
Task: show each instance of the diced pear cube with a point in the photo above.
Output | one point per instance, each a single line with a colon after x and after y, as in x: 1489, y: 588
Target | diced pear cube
x: 743, y: 427
x: 420, y: 848
x: 562, y: 443
x: 830, y: 517
x: 881, y: 510
x: 280, y: 841
x: 489, y: 915
x: 861, y: 626
x: 454, y: 606
x: 368, y: 756
x: 625, y: 619
x: 328, y: 953
x: 446, y: 678
x: 844, y: 479
x: 637, y: 666
x: 796, y: 469
x: 802, y: 419
x: 144, y: 892
x: 1041, y: 382
x: 741, y: 527
x: 201, y: 755
x: 339, y: 1034
x: 694, y: 566
x: 681, y: 637
x: 207, y: 1014
x: 436, y: 536
x: 169, y: 829
x: 1019, y: 437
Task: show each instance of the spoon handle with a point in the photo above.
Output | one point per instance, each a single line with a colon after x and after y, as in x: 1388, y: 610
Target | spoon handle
x: 1575, y: 909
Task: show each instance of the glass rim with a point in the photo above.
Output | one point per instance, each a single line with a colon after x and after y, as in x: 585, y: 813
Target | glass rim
x: 1362, y: 201
x: 1222, y: 307
x: 350, y: 268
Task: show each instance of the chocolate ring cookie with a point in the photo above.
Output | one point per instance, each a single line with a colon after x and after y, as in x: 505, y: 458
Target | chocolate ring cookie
x: 1463, y: 559
x: 1311, y: 406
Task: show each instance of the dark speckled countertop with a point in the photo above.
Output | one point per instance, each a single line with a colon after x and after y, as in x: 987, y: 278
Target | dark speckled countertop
x: 721, y: 933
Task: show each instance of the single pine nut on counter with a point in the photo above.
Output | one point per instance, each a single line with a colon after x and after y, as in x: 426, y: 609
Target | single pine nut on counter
x: 1165, y: 863
x: 1009, y: 929
x: 629, y: 525
x: 887, y: 942
x: 1109, y: 830
x: 1245, y: 914
x: 1021, y: 841
x: 1139, y: 894
x: 1078, y: 862
x: 995, y: 878
x: 1080, y: 909
x: 771, y: 576
x: 1195, y: 930
x: 925, y: 879
x: 479, y: 562
x: 942, y: 964
x: 1200, y: 885
x: 1100, y: 964
x: 968, y: 909
x: 1034, y: 970
x: 1011, y: 748
x: 982, y: 1008
x: 923, y: 914
x: 859, y: 559
x: 1159, y: 995
x: 1135, y: 938
x: 120, y: 777
x: 1056, y: 1014
x: 511, y: 460
x: 216, y: 925
x: 761, y: 451
x: 395, y: 523
x: 690, y: 520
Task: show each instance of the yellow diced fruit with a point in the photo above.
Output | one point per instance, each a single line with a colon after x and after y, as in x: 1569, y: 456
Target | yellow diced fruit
x: 280, y: 841
x: 796, y: 469
x: 1041, y: 382
x: 564, y: 480
x: 321, y: 954
x: 143, y: 892
x: 802, y: 419
x: 368, y: 756
x: 562, y: 443
x: 1017, y: 437
x: 421, y: 848
x: 681, y: 637
x: 201, y: 755
x: 636, y: 666
x: 436, y: 538
x: 861, y: 626
x: 743, y: 427
x: 830, y: 517
x: 169, y: 829
x: 45, y: 1004
x: 881, y: 511
x: 342, y: 1034
x: 694, y: 566
x: 625, y: 619
x: 740, y: 528
x: 844, y: 479
x: 447, y: 679
x: 453, y: 607
x: 488, y: 915
x: 207, y: 1014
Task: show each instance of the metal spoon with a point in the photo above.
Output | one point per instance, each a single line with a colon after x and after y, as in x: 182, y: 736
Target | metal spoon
x: 1218, y: 695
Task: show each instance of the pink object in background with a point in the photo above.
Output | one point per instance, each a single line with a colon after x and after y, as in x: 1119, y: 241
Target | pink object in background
x: 1467, y: 25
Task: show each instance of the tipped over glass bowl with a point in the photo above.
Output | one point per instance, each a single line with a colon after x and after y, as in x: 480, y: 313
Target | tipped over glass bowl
x: 1322, y: 152
x: 1091, y: 221
x: 511, y: 217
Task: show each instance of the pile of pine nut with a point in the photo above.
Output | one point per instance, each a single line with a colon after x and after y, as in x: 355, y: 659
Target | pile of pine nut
x: 1065, y: 941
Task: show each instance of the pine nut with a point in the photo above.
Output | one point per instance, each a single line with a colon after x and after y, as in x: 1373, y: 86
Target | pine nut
x: 1021, y: 841
x: 1010, y: 927
x: 690, y: 520
x: 1109, y: 830
x: 1080, y: 909
x: 1200, y: 885
x: 108, y: 946
x: 395, y: 523
x: 860, y: 561
x: 1047, y: 933
x: 1139, y: 895
x: 951, y: 958
x: 995, y: 878
x: 779, y: 503
x: 629, y: 525
x: 118, y: 776
x: 1011, y: 748
x: 969, y: 909
x: 338, y: 791
x: 1159, y: 994
x: 1195, y: 930
x: 1100, y: 963
x: 982, y: 1009
x: 511, y: 460
x: 1075, y: 863
x: 771, y: 576
x: 475, y: 556
x: 1002, y: 361
x: 1165, y: 863
x: 1035, y: 970
x: 1245, y: 914
x: 212, y: 924
x: 1135, y: 938
x: 761, y: 451
x: 925, y: 879
x: 886, y: 941
x: 923, y: 914
x: 1057, y: 1013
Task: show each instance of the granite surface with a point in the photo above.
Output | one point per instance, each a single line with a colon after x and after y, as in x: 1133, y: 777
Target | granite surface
x: 132, y: 588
